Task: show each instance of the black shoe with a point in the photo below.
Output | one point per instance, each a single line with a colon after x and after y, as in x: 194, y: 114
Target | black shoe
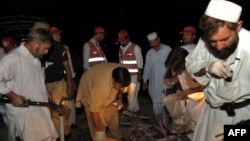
x: 79, y: 111
x: 73, y: 126
x: 18, y: 139
x: 66, y: 137
x: 137, y: 112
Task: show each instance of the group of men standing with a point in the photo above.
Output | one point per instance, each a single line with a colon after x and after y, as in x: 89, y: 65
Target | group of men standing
x: 218, y: 64
x: 131, y: 58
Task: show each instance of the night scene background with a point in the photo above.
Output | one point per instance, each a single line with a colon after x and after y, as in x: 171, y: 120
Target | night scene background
x: 77, y: 20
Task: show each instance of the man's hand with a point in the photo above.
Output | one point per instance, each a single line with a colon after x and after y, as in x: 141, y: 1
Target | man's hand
x: 144, y: 85
x: 219, y: 68
x: 120, y: 104
x: 16, y: 100
x: 171, y: 81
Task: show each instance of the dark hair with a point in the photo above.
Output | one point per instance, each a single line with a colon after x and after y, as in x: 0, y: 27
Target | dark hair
x: 121, y: 76
x: 177, y: 59
x: 210, y: 25
x: 39, y: 34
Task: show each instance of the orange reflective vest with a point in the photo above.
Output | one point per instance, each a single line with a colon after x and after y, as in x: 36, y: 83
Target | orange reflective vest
x: 96, y: 56
x: 128, y: 59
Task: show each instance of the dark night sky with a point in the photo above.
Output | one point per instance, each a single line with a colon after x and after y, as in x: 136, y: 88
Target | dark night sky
x: 77, y: 20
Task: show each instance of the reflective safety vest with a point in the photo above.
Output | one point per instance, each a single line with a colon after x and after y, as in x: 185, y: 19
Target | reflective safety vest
x: 128, y: 59
x: 96, y: 56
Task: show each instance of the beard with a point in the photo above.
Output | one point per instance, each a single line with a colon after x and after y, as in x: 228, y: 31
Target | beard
x: 37, y: 54
x: 226, y: 51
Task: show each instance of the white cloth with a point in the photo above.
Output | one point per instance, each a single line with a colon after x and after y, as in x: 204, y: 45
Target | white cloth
x: 218, y: 91
x: 21, y: 73
x: 3, y: 113
x: 189, y: 47
x: 219, y: 68
x: 73, y: 73
x: 154, y: 71
x: 194, y: 101
x: 1, y: 52
x: 224, y: 10
x: 2, y: 106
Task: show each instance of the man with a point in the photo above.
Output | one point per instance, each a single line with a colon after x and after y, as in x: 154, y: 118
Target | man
x: 58, y: 78
x: 154, y: 71
x: 188, y: 37
x: 8, y: 44
x: 92, y: 50
x: 191, y: 91
x: 71, y: 106
x: 21, y: 79
x: 131, y: 57
x: 100, y: 92
x: 220, y: 62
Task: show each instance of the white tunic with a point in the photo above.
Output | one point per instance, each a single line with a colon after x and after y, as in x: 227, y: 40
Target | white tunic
x: 218, y: 91
x: 21, y: 73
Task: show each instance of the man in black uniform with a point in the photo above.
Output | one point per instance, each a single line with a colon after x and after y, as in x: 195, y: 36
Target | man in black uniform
x: 56, y: 68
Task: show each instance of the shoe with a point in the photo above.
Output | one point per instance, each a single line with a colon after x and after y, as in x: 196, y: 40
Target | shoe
x: 66, y: 137
x: 137, y: 112
x: 73, y: 126
x: 18, y: 139
x: 79, y: 111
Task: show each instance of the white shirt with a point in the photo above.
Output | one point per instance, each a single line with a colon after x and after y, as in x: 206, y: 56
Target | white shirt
x: 21, y: 73
x: 189, y: 47
x: 1, y: 52
x: 218, y: 91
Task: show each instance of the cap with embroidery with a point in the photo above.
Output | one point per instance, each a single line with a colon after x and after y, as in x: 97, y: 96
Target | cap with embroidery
x: 224, y: 10
x: 152, y: 36
x: 122, y: 35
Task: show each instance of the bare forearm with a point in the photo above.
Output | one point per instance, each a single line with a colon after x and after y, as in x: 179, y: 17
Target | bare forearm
x: 196, y: 89
x: 200, y: 73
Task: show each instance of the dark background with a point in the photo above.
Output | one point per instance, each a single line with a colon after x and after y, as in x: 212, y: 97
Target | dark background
x: 77, y: 19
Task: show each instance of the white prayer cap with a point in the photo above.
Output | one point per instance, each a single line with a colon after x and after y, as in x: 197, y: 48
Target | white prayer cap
x: 152, y: 36
x: 224, y: 10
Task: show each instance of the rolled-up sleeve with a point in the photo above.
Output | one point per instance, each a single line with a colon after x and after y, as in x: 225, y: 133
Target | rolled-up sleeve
x: 197, y: 60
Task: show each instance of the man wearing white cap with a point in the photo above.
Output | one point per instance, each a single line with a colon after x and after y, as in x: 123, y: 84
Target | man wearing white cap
x: 221, y: 62
x: 154, y: 71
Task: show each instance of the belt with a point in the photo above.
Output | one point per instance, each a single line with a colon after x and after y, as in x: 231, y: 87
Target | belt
x: 230, y: 106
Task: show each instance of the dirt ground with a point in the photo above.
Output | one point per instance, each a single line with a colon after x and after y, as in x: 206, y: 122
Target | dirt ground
x: 146, y: 119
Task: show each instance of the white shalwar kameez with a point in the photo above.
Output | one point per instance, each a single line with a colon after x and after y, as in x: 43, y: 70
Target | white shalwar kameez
x: 154, y: 71
x: 217, y: 91
x: 21, y: 73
